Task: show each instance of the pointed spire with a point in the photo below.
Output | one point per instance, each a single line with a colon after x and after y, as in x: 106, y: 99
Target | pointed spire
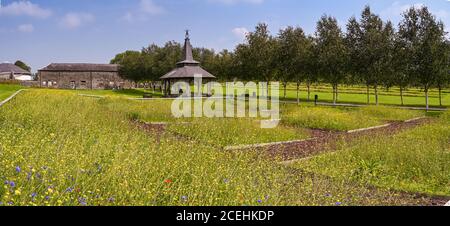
x: 188, y: 57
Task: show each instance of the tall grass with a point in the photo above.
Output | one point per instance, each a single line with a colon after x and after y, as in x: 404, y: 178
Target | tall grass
x: 230, y: 131
x: 343, y: 119
x: 60, y: 149
x: 415, y: 161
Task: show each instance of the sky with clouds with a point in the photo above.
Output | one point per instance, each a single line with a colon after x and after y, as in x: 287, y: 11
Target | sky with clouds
x: 40, y: 32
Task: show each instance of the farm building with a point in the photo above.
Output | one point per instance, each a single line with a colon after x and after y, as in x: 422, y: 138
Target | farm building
x: 186, y: 70
x: 82, y: 76
x: 12, y: 72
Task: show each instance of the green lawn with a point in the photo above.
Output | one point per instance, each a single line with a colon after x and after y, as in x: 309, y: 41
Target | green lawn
x: 417, y: 160
x: 7, y: 90
x: 347, y: 94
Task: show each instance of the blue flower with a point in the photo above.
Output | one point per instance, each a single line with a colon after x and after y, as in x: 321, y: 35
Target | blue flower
x: 259, y: 201
x: 184, y: 198
x: 82, y: 201
x: 111, y: 199
x: 226, y: 181
x: 18, y: 169
x: 338, y: 203
x: 12, y: 184
x: 70, y: 189
x: 33, y: 195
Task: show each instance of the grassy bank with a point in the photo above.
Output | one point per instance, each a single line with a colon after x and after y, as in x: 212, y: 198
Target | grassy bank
x: 415, y: 161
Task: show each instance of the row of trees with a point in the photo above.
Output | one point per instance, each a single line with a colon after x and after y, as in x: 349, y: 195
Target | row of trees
x: 371, y: 52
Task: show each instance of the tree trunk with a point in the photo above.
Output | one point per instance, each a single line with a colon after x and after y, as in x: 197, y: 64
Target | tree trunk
x: 368, y: 94
x: 285, y: 87
x: 401, y: 95
x: 309, y: 91
x: 298, y: 92
x: 337, y: 93
x: 334, y: 94
x: 440, y: 96
x: 427, y: 99
x: 376, y: 95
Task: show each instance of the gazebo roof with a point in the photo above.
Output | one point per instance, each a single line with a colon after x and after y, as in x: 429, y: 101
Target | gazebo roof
x: 188, y: 72
x: 188, y: 68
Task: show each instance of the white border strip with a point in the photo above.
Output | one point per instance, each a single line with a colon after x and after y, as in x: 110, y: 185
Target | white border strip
x: 415, y: 119
x: 242, y: 147
x: 94, y: 96
x: 370, y: 128
x: 447, y: 204
x: 11, y: 97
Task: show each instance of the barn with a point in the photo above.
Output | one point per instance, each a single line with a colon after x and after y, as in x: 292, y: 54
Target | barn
x: 82, y: 76
x: 12, y: 72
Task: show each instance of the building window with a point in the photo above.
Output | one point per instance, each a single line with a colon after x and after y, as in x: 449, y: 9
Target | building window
x: 72, y: 85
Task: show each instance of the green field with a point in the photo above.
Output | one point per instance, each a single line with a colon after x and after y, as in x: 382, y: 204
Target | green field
x: 8, y: 90
x: 347, y: 94
x: 59, y: 148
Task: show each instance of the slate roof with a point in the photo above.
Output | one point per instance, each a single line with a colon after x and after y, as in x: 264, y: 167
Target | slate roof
x: 188, y: 72
x: 8, y: 68
x: 188, y: 68
x: 81, y: 67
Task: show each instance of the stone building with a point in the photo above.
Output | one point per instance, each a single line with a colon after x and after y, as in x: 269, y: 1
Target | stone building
x: 82, y: 76
x: 12, y: 72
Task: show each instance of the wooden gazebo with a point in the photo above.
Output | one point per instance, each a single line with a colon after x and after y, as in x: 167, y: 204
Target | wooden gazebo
x: 186, y: 70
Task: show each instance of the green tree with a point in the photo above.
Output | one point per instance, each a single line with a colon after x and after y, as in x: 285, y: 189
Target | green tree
x: 332, y: 52
x: 291, y: 53
x: 131, y: 65
x: 370, y: 44
x: 259, y: 58
x: 22, y: 65
x: 423, y: 37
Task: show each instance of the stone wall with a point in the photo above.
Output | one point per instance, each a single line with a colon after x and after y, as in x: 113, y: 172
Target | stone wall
x: 82, y: 80
x: 5, y: 76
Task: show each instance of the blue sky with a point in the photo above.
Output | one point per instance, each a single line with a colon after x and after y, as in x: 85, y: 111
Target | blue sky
x: 40, y: 32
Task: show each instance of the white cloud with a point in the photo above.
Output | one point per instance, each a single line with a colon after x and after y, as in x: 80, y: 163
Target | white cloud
x: 232, y: 2
x: 145, y: 8
x: 75, y: 20
x: 240, y: 32
x: 26, y: 28
x: 149, y: 7
x: 396, y: 10
x: 25, y: 8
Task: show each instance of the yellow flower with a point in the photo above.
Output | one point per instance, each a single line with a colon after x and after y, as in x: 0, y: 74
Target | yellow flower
x: 17, y: 192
